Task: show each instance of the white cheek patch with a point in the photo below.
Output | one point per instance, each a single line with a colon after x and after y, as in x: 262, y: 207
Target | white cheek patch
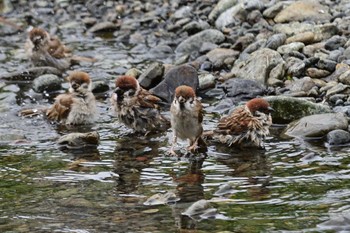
x: 114, y: 96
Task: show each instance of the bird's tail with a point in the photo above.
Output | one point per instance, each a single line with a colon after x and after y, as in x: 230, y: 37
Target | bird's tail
x: 32, y: 112
x: 77, y: 59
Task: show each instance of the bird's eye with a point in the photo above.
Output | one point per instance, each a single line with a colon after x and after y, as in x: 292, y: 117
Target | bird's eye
x: 131, y: 92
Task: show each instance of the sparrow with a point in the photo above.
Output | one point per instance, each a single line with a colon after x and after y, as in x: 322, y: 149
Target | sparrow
x: 137, y: 108
x: 246, y: 126
x: 186, y: 116
x: 46, y: 50
x: 77, y: 107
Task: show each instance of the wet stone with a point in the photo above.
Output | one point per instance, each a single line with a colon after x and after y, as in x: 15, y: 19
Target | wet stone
x: 326, y: 64
x: 316, y: 125
x: 177, y: 76
x: 335, y: 42
x: 79, y: 140
x: 100, y: 87
x: 152, y: 75
x: 276, y: 41
x: 103, y: 27
x: 47, y: 82
x: 338, y: 137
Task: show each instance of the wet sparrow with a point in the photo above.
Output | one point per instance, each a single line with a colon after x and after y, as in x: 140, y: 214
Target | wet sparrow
x: 136, y: 107
x: 186, y: 118
x: 46, y: 50
x: 246, y: 126
x: 76, y: 107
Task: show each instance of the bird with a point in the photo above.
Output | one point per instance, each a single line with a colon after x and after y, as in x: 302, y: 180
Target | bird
x: 46, y: 50
x: 78, y: 107
x: 246, y: 126
x: 186, y: 117
x: 136, y: 107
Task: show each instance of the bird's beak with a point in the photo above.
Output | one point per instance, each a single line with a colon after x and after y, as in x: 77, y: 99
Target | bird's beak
x: 75, y: 86
x: 270, y: 109
x: 119, y: 92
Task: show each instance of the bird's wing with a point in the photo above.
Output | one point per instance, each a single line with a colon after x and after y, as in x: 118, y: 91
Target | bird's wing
x: 239, y: 122
x: 61, y: 108
x: 147, y: 100
x: 56, y: 48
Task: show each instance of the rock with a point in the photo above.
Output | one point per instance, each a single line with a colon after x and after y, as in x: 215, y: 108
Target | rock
x: 335, y: 42
x: 317, y: 73
x: 321, y: 32
x: 47, y: 82
x: 339, y: 88
x: 303, y: 84
x: 288, y: 48
x: 217, y: 56
x: 220, y: 7
x: 345, y: 77
x: 304, y: 37
x: 338, y: 137
x: 326, y: 64
x: 206, y: 47
x: 183, y: 12
x: 31, y: 73
x: 251, y: 5
x: 276, y: 41
x: 100, y: 87
x: 179, y: 75
x: 295, y: 66
x: 196, y: 26
x: 316, y: 125
x: 306, y: 10
x: 206, y: 81
x: 310, y: 50
x: 339, y: 70
x: 288, y: 109
x: 152, y: 75
x: 260, y: 66
x: 194, y: 43
x: 272, y: 11
x: 231, y: 16
x: 162, y: 199
x: 243, y: 88
x: 342, y: 109
x: 133, y: 72
x: 198, y: 208
x: 103, y: 27
x: 79, y: 140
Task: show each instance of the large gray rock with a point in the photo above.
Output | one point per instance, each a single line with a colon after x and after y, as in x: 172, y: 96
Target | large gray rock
x: 152, y: 75
x: 288, y: 109
x: 217, y: 56
x: 309, y: 10
x: 222, y: 6
x: 316, y: 125
x: 194, y: 43
x: 260, y: 66
x: 47, y: 82
x: 232, y: 15
x: 321, y: 32
x: 177, y: 76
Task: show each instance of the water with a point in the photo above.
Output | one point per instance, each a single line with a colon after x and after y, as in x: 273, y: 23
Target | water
x: 293, y: 186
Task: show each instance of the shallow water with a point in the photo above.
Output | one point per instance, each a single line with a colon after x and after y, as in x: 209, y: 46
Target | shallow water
x: 293, y: 186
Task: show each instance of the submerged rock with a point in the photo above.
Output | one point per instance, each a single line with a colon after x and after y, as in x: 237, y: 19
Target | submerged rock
x: 338, y: 137
x: 47, y: 82
x: 316, y: 126
x: 79, y: 140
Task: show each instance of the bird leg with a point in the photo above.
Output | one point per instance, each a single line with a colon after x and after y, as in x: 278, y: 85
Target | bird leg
x: 193, y: 145
x: 172, y: 152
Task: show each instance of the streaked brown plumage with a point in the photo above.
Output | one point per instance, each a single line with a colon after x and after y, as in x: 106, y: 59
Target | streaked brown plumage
x: 246, y: 126
x: 136, y: 107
